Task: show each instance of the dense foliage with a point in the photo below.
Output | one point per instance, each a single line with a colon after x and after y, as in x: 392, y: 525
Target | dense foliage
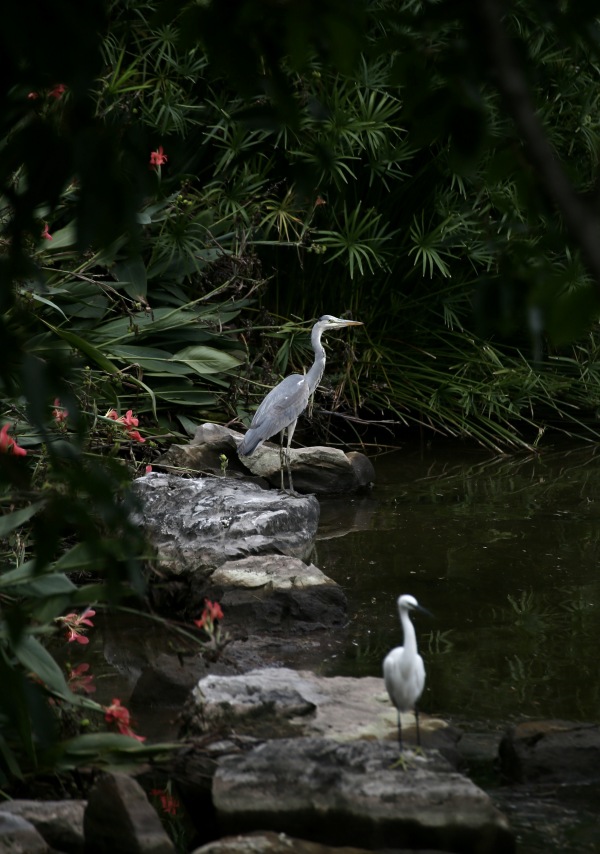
x: 183, y: 185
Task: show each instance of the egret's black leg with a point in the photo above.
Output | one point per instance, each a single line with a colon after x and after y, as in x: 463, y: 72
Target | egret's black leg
x: 399, y: 730
x: 418, y: 731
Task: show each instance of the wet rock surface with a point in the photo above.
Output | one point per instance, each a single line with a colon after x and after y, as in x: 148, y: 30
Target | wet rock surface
x: 318, y: 470
x: 60, y: 823
x: 267, y: 842
x: 19, y: 836
x: 354, y: 793
x: 546, y: 751
x: 197, y: 524
x: 276, y: 592
x: 119, y: 818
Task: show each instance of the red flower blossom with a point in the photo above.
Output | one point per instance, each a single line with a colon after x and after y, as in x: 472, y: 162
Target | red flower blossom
x: 75, y: 623
x: 128, y: 421
x: 157, y: 158
x: 58, y: 91
x: 8, y: 444
x: 148, y: 469
x: 119, y: 715
x: 45, y: 233
x: 80, y: 680
x: 59, y: 413
x: 168, y: 802
x: 211, y: 612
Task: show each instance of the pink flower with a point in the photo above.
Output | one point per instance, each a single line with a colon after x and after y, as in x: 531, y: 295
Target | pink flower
x: 168, y: 802
x: 80, y: 680
x: 8, y: 444
x: 45, y: 234
x: 129, y: 419
x: 58, y: 91
x: 211, y: 612
x: 33, y: 96
x: 148, y: 469
x: 119, y: 715
x: 75, y: 625
x: 157, y: 158
x: 74, y: 635
x: 59, y: 413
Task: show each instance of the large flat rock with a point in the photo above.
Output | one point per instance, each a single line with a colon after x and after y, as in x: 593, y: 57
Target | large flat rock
x: 276, y: 701
x: 197, y: 524
x: 356, y: 794
x: 275, y: 592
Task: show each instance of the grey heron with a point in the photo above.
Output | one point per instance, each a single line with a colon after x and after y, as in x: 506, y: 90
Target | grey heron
x: 403, y: 668
x: 284, y: 404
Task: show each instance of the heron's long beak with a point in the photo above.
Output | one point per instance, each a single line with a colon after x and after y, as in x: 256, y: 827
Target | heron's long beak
x: 350, y: 323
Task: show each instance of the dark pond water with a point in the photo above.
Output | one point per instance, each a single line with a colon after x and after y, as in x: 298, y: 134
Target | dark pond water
x: 506, y: 553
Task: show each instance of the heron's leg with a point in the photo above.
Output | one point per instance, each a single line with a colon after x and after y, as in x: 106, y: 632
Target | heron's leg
x: 290, y: 433
x: 399, y: 730
x: 281, y: 435
x: 417, y: 723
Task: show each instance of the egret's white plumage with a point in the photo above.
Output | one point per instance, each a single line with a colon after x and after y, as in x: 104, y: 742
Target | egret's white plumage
x: 403, y: 668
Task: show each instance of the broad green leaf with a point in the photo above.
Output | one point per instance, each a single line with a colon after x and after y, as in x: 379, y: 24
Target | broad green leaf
x: 53, y: 305
x: 207, y: 360
x: 132, y: 274
x: 86, y: 348
x: 187, y: 397
x: 54, y: 584
x: 149, y: 358
x: 66, y: 236
x: 17, y: 518
x: 34, y: 657
x: 76, y: 559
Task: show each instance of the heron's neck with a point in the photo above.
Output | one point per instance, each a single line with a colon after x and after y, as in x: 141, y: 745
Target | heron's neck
x: 410, y: 638
x: 314, y: 375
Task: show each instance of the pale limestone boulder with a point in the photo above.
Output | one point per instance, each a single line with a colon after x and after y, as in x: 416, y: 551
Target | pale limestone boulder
x: 197, y: 524
x: 302, y: 703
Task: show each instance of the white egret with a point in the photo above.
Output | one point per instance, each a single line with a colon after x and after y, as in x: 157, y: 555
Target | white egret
x: 403, y: 668
x: 284, y: 404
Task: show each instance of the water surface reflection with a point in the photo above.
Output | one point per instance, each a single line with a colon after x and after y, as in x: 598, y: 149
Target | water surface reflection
x: 504, y: 551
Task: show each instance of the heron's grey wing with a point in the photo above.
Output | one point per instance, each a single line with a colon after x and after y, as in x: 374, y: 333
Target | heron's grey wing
x: 280, y: 408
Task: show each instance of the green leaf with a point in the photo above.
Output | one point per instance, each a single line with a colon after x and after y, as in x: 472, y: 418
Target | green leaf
x: 34, y: 657
x: 17, y: 518
x: 66, y: 236
x: 149, y: 358
x: 76, y: 559
x: 86, y: 348
x: 206, y: 360
x: 132, y: 274
x: 54, y: 584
